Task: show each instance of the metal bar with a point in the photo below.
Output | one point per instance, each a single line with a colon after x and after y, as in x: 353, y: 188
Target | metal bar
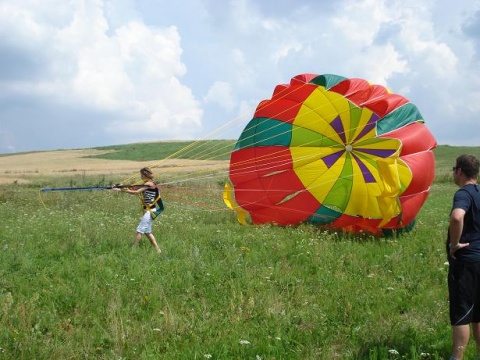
x: 120, y: 186
x: 77, y: 188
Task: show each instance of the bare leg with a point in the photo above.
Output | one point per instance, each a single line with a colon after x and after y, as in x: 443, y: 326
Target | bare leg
x: 460, y: 334
x: 153, y: 242
x: 476, y: 335
x: 138, y: 237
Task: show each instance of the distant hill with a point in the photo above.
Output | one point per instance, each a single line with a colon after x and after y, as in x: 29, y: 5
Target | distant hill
x: 21, y: 166
x: 195, y: 150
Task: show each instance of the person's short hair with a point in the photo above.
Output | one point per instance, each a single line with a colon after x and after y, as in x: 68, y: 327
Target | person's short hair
x: 146, y: 172
x: 469, y: 165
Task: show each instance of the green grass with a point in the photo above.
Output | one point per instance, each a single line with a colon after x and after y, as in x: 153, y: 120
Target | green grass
x: 445, y: 156
x: 72, y: 288
x: 198, y: 150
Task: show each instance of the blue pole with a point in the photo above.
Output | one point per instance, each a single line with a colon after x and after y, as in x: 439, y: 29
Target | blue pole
x: 120, y: 186
x: 77, y: 188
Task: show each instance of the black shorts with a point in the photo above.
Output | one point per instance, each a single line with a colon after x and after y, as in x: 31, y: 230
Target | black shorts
x: 464, y: 292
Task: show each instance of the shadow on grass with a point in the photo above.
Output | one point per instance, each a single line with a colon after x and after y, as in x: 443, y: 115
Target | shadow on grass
x: 403, y: 350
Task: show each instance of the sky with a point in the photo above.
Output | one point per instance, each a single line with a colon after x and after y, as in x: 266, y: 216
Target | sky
x: 87, y: 73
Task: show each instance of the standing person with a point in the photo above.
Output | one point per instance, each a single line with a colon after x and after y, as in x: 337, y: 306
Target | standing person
x: 152, y: 205
x: 463, y: 247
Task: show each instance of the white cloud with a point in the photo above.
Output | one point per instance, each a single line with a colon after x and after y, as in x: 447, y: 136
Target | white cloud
x: 132, y: 70
x: 123, y: 64
x: 221, y: 93
x: 285, y: 49
x: 378, y: 64
x: 352, y: 23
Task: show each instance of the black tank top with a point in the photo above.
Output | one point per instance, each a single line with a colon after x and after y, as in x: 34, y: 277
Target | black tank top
x: 150, y: 196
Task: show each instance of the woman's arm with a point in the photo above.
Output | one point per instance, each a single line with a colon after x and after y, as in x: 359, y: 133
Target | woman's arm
x: 137, y: 189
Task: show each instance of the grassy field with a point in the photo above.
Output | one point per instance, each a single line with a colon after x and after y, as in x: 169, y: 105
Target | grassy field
x: 72, y: 288
x: 197, y: 150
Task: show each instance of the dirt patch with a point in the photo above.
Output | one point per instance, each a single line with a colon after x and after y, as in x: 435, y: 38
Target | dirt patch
x: 22, y: 168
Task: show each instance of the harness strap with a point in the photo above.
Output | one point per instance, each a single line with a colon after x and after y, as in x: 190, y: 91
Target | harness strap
x: 153, y: 205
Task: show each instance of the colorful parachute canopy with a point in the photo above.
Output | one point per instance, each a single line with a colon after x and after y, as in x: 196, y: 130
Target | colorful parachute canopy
x: 332, y: 151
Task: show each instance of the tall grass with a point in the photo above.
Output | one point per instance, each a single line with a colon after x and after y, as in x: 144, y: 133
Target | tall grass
x: 71, y: 287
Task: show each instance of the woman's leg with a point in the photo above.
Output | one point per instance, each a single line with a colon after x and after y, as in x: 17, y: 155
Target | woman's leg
x: 153, y: 242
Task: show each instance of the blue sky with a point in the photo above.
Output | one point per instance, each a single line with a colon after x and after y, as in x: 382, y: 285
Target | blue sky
x: 76, y: 74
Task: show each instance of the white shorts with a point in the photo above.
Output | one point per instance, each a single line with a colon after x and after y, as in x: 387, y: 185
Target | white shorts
x: 145, y: 225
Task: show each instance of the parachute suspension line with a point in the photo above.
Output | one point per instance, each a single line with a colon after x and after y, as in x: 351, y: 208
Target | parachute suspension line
x: 311, y: 110
x: 41, y: 199
x: 194, y: 146
x: 258, y: 161
x: 278, y: 97
x: 269, y: 156
x: 192, y: 150
x: 203, y: 151
x: 205, y: 154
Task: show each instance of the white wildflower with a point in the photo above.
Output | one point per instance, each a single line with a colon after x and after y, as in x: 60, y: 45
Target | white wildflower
x: 393, y: 352
x: 244, y: 342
